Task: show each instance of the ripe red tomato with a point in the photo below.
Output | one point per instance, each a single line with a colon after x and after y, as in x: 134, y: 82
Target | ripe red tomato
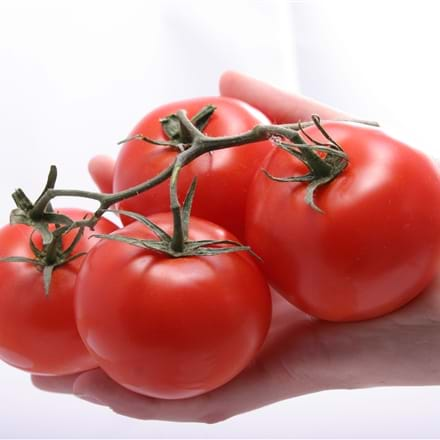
x: 223, y: 175
x: 377, y: 244
x: 171, y: 327
x: 38, y: 332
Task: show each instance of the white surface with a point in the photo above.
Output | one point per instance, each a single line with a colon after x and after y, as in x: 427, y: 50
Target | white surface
x: 74, y: 78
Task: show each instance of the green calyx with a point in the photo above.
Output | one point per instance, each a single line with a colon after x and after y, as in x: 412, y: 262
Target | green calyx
x: 51, y: 255
x: 178, y: 135
x: 177, y: 132
x: 322, y: 169
x: 176, y: 245
x: 163, y: 244
x: 26, y: 214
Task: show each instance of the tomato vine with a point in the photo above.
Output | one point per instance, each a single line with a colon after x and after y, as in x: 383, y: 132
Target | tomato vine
x: 324, y: 161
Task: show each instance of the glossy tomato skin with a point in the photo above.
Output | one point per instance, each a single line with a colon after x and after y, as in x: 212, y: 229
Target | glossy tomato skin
x: 38, y: 333
x: 171, y: 327
x: 377, y: 244
x: 223, y: 176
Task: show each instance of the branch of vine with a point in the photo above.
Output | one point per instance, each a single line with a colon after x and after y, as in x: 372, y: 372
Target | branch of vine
x: 199, y: 145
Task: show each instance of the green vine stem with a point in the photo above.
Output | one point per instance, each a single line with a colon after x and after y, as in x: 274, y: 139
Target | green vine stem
x: 187, y: 137
x: 200, y: 144
x: 178, y: 240
x: 322, y: 170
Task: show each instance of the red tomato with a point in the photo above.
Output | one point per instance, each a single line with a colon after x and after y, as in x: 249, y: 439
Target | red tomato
x: 38, y: 332
x: 223, y: 176
x: 377, y: 244
x: 171, y: 327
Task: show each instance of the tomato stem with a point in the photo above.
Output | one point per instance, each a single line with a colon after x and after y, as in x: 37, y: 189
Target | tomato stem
x: 178, y: 240
x: 322, y: 170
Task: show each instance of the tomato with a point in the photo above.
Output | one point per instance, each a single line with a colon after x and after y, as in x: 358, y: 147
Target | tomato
x: 223, y: 175
x: 38, y: 332
x: 375, y: 246
x: 171, y: 327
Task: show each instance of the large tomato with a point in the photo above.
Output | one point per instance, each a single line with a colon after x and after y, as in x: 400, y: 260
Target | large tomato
x: 375, y: 246
x: 38, y: 332
x: 223, y: 175
x: 171, y: 327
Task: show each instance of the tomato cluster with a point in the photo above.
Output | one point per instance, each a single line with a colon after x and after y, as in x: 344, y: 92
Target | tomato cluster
x: 175, y: 326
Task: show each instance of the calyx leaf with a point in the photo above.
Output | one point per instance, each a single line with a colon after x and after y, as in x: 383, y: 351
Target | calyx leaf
x: 47, y: 277
x: 164, y: 242
x: 322, y: 170
x: 52, y: 254
x: 174, y: 130
x: 171, y: 127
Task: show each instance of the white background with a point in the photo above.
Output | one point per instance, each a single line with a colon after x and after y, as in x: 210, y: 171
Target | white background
x: 75, y: 76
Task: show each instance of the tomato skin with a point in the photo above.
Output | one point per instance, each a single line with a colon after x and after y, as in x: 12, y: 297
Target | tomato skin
x: 171, y: 327
x: 223, y: 176
x: 376, y: 246
x: 37, y: 332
